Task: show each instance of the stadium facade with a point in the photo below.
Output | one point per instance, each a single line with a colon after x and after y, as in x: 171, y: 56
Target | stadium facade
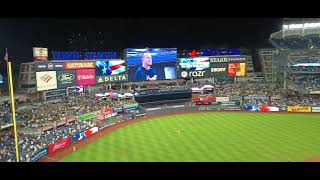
x: 296, y: 62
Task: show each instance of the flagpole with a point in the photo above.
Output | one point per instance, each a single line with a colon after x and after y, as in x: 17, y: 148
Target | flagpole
x: 6, y: 58
x: 13, y: 110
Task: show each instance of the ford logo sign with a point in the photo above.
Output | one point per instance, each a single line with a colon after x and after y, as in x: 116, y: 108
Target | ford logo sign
x: 66, y: 77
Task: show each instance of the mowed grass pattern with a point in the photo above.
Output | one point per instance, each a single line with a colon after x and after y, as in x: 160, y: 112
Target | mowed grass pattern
x: 209, y: 137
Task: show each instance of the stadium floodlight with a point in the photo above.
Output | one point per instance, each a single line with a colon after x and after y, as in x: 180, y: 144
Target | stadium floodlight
x: 311, y: 25
x: 300, y: 26
x: 285, y: 27
x: 295, y: 26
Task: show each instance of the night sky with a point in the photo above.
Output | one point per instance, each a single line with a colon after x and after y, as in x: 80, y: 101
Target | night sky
x: 106, y: 34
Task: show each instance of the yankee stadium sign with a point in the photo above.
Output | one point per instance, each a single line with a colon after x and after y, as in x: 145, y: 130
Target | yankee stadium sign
x: 83, y: 55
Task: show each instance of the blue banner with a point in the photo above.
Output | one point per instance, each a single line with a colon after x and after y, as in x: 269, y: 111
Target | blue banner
x: 251, y: 108
x: 39, y: 154
x: 119, y: 109
x: 79, y: 136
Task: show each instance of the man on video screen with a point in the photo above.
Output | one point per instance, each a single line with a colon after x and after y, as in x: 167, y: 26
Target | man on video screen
x: 145, y: 72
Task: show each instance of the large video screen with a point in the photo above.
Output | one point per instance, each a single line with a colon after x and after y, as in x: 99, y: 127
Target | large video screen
x: 151, y: 64
x: 194, y: 67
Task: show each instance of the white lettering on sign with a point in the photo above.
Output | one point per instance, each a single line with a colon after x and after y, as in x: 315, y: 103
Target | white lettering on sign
x: 196, y: 74
x: 218, y: 69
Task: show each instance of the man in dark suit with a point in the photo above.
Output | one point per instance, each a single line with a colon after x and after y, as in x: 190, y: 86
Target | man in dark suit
x: 145, y: 72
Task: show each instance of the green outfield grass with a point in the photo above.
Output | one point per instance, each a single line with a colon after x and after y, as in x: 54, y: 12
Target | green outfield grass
x: 211, y: 136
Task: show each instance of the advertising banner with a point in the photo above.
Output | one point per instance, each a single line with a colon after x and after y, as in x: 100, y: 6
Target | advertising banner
x: 230, y: 103
x: 236, y: 69
x: 211, y: 108
x: 232, y: 69
x: 39, y: 154
x: 230, y: 108
x: 203, y: 99
x: 112, y: 78
x: 128, y: 106
x: 314, y: 92
x: 315, y: 109
x: 222, y: 99
x: 203, y: 103
x: 261, y: 108
x: 89, y: 115
x: 66, y: 79
x: 49, y: 66
x: 256, y: 97
x: 269, y: 109
x: 299, y: 109
x: 80, y: 65
x: 219, y: 69
x: 235, y: 98
x: 196, y: 67
x: 46, y: 80
x: 59, y: 145
x: 226, y: 59
x: 79, y: 136
x: 91, y: 131
x: 117, y: 109
x: 86, y: 77
x: 105, y: 111
x: 40, y: 54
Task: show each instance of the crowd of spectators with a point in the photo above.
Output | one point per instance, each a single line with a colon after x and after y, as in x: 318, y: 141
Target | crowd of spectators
x: 7, y: 151
x: 29, y: 144
x: 305, y: 100
x: 305, y: 59
x: 37, y: 116
x: 308, y: 69
x: 307, y: 81
x: 46, y: 114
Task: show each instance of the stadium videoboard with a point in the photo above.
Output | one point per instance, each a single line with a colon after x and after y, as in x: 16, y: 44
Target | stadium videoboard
x: 196, y: 67
x: 228, y: 66
x: 151, y: 64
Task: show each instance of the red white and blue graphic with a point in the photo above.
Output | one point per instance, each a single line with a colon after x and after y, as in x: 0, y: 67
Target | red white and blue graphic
x: 80, y: 136
x: 261, y: 108
x: 110, y: 67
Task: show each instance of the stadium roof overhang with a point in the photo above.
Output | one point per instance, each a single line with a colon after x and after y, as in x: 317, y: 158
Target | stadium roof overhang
x: 295, y: 40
